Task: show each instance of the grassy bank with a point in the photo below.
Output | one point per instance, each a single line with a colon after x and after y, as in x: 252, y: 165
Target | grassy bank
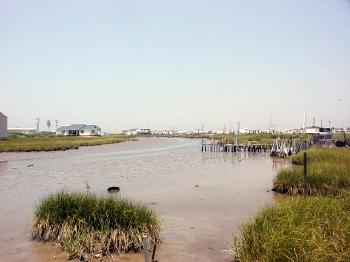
x: 321, y: 155
x: 328, y: 173
x: 54, y: 143
x: 261, y: 138
x: 298, y: 229
x: 88, y: 224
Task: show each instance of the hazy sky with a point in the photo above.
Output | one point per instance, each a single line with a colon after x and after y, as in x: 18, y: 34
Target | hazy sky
x: 163, y: 64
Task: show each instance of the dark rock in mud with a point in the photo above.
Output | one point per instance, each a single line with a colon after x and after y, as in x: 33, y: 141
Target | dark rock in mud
x: 113, y: 189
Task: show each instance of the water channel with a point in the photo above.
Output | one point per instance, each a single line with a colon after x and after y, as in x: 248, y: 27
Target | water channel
x: 201, y: 197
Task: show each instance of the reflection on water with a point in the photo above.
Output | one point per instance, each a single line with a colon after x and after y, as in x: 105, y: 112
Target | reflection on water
x: 198, y: 222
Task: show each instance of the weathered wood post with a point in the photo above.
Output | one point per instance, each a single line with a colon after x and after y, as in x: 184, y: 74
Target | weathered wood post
x: 305, y: 173
x: 146, y: 249
x: 154, y: 252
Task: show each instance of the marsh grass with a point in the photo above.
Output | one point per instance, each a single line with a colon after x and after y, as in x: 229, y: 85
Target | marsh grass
x: 83, y: 223
x: 328, y: 173
x: 297, y: 229
x: 263, y: 138
x: 322, y: 154
x: 54, y: 143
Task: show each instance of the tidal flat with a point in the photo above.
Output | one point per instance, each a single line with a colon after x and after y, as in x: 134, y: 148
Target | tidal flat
x: 201, y: 198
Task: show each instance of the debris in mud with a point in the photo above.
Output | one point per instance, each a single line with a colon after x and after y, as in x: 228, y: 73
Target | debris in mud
x: 113, y: 189
x: 30, y: 165
x: 196, y: 185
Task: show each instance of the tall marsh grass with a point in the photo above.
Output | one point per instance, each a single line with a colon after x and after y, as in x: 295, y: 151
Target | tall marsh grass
x: 297, y: 229
x: 84, y: 223
x: 322, y: 154
x: 328, y: 173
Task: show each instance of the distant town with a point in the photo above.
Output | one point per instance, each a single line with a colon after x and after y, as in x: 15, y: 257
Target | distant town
x: 94, y: 130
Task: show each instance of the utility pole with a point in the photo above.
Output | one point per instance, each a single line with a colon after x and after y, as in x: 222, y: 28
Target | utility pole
x: 314, y: 123
x: 321, y: 123
x: 304, y: 121
x: 48, y: 123
x: 37, y: 124
x: 202, y: 136
x: 238, y: 128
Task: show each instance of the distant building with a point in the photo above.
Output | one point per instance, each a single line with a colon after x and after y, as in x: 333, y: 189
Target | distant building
x: 79, y: 130
x: 294, y: 131
x: 22, y: 130
x: 339, y: 130
x: 312, y: 130
x: 130, y: 132
x: 3, y: 126
x: 315, y: 130
x: 137, y: 131
x: 143, y: 131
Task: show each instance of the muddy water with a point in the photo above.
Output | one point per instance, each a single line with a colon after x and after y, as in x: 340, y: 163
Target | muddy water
x: 202, y: 198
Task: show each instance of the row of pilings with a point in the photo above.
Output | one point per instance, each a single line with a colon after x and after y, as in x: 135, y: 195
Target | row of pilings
x: 286, y: 147
x: 279, y: 148
x: 227, y: 147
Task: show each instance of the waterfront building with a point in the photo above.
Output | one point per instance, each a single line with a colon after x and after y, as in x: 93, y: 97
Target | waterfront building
x: 318, y: 130
x: 3, y: 126
x: 137, y: 131
x: 143, y: 131
x: 79, y: 130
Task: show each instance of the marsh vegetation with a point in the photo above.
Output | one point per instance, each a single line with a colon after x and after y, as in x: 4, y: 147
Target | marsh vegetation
x: 328, y: 173
x: 297, y: 229
x: 84, y: 223
x: 314, y: 227
x: 51, y: 142
x: 262, y: 138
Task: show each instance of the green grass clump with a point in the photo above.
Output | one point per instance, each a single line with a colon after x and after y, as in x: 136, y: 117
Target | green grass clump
x: 297, y: 229
x: 322, y: 154
x: 84, y: 223
x: 328, y: 173
x: 54, y: 143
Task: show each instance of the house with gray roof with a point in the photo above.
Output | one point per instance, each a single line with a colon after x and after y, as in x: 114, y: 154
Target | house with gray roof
x: 79, y: 130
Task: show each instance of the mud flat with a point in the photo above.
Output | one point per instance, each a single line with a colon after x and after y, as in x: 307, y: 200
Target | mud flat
x: 201, y: 198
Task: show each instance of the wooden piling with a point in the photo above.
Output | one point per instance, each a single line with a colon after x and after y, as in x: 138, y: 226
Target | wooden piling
x: 305, y: 173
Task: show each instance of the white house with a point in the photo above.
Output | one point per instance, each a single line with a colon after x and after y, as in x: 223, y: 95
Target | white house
x: 312, y: 130
x: 318, y: 130
x: 3, y: 126
x: 79, y: 130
